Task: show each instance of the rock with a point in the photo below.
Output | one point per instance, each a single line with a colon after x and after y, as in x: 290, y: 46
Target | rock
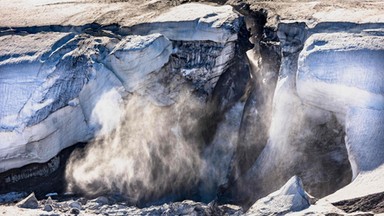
x: 82, y: 201
x: 102, y: 200
x: 371, y: 203
x: 29, y: 202
x: 188, y: 207
x: 49, y: 201
x: 48, y: 208
x: 75, y: 211
x: 291, y: 197
x: 218, y: 155
x: 75, y: 204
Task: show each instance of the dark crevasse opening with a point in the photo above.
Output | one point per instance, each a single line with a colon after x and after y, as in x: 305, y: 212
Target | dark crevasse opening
x: 310, y: 147
x: 40, y: 178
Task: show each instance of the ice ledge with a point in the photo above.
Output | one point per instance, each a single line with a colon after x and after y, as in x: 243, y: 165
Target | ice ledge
x: 345, y: 68
x: 194, y: 22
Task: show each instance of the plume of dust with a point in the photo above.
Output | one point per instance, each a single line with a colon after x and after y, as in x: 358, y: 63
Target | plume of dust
x: 152, y: 153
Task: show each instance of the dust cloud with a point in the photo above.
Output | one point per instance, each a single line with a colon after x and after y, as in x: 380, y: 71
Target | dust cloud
x: 152, y: 153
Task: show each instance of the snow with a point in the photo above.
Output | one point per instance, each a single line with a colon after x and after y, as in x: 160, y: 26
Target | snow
x: 42, y: 111
x: 289, y: 198
x: 366, y: 183
x: 325, y: 11
x: 101, y: 101
x: 321, y: 208
x: 61, y: 129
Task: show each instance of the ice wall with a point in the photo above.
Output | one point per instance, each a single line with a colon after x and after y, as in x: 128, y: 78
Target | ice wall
x: 58, y: 89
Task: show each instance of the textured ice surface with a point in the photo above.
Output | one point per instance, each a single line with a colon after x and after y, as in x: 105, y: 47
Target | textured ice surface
x: 340, y: 70
x: 136, y: 56
x: 58, y: 89
x: 195, y: 21
x: 20, y: 72
x: 365, y: 139
x: 289, y: 198
x: 344, y: 73
x: 49, y: 101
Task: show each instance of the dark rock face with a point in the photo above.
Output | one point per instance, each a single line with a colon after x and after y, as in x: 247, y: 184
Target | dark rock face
x: 195, y: 60
x: 301, y: 140
x: 264, y: 67
x: 230, y: 88
x: 371, y: 203
x: 38, y: 178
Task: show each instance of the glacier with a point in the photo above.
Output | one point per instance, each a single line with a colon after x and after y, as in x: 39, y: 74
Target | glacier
x: 58, y: 86
x: 237, y: 99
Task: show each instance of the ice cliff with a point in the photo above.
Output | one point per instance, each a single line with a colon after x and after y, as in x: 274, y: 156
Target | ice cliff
x: 328, y: 90
x: 224, y: 103
x: 55, y: 86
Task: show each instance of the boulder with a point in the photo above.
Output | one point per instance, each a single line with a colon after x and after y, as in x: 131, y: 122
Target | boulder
x: 75, y: 204
x: 29, y: 202
x: 74, y: 211
x: 102, y: 200
x: 48, y: 208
